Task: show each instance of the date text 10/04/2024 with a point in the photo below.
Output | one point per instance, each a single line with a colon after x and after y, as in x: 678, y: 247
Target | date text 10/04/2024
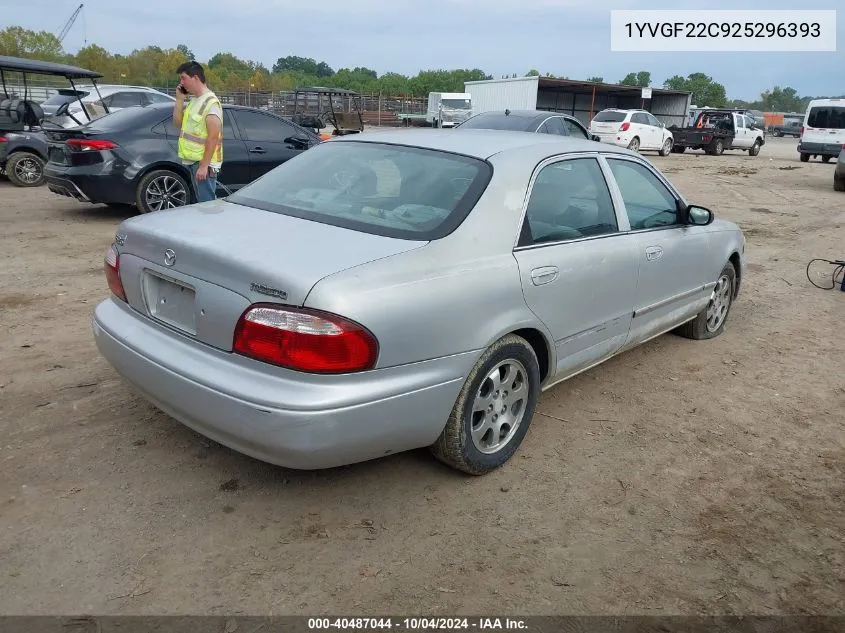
x: 417, y: 624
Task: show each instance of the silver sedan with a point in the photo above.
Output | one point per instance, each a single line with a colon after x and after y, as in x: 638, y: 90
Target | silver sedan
x: 415, y: 288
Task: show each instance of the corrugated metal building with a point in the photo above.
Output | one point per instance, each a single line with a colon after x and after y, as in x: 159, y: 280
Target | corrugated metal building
x: 582, y: 99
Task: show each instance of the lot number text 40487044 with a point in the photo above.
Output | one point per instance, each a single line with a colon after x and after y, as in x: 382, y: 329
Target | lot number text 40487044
x: 417, y: 624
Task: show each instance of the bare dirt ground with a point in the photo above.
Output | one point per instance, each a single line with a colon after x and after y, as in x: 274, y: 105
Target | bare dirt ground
x: 682, y: 477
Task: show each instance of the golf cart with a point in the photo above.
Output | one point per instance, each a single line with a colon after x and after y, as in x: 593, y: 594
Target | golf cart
x: 23, y: 146
x: 307, y: 101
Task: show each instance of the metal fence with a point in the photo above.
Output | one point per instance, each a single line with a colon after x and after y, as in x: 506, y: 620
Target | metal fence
x: 376, y: 109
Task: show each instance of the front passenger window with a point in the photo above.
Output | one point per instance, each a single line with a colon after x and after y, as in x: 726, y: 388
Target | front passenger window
x: 648, y: 203
x: 569, y: 200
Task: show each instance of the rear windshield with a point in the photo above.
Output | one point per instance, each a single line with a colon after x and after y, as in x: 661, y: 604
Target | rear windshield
x: 66, y: 96
x: 391, y: 190
x: 120, y: 119
x: 497, y: 122
x: 610, y: 117
x: 831, y: 117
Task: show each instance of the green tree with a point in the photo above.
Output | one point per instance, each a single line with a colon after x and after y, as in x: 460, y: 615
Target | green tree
x: 641, y: 79
x: 16, y: 41
x: 532, y: 73
x: 187, y: 52
x: 705, y: 91
x: 596, y: 80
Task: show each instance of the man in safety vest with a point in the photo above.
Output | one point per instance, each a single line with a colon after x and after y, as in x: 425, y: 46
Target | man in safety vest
x: 201, y: 125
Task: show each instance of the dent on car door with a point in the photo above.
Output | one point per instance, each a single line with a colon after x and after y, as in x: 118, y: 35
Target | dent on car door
x: 673, y: 259
x: 264, y: 136
x: 578, y: 269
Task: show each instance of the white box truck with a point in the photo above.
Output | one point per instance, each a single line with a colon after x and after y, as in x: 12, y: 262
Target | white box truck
x: 447, y: 109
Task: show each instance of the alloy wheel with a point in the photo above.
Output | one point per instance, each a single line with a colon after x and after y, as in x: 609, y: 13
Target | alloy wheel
x: 499, y: 406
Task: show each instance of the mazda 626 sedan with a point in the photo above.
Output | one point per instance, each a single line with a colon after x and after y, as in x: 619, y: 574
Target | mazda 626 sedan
x: 415, y: 288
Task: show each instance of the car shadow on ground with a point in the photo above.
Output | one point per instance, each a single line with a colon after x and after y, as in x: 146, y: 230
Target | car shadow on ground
x: 97, y: 212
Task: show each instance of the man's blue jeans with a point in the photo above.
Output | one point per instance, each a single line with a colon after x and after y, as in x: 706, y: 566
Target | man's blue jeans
x: 206, y: 189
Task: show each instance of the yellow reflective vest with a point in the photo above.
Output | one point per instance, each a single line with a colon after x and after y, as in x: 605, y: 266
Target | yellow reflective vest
x: 195, y: 132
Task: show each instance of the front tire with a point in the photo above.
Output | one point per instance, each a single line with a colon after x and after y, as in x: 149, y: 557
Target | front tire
x: 25, y: 169
x: 755, y: 149
x: 710, y: 322
x: 839, y: 184
x: 162, y: 189
x: 805, y: 157
x: 667, y: 147
x: 493, y: 410
x: 826, y: 159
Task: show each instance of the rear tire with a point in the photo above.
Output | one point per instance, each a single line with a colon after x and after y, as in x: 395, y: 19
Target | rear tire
x: 504, y: 382
x: 710, y: 322
x: 162, y: 189
x: 634, y: 145
x: 826, y: 159
x: 25, y: 169
x: 839, y: 184
x: 716, y: 148
x: 805, y: 157
x: 678, y: 149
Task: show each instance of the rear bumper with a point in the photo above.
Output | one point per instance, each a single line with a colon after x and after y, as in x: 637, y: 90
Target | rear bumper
x: 820, y: 149
x: 278, y: 416
x: 89, y: 184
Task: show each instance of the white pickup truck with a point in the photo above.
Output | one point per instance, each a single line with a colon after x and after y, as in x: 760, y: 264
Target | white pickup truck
x: 714, y: 131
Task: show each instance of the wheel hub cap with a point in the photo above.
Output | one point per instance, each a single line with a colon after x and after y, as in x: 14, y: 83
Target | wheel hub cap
x: 165, y: 192
x: 27, y: 170
x: 499, y: 406
x: 720, y: 301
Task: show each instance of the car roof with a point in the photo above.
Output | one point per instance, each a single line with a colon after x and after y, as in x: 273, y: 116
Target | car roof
x: 480, y: 142
x: 523, y: 113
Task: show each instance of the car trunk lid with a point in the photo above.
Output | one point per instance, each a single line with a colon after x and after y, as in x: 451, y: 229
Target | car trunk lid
x: 197, y: 268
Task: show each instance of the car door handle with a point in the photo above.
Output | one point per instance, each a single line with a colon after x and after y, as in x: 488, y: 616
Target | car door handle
x: 653, y: 253
x: 544, y: 275
x: 258, y: 150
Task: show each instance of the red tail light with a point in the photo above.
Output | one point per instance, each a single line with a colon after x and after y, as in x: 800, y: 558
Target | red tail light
x: 706, y: 138
x: 3, y: 139
x: 112, y: 268
x: 624, y: 126
x: 304, y: 340
x: 801, y: 132
x: 90, y: 144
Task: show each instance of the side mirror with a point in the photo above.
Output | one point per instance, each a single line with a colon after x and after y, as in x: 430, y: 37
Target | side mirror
x: 298, y: 139
x: 595, y: 137
x: 698, y: 216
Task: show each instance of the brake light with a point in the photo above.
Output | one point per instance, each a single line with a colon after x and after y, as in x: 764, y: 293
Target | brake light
x: 111, y: 265
x: 304, y: 340
x: 90, y: 145
x: 3, y: 139
x: 624, y: 126
x: 706, y: 137
x: 802, y: 131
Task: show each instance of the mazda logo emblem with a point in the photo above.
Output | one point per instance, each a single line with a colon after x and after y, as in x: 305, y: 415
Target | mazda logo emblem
x: 169, y: 257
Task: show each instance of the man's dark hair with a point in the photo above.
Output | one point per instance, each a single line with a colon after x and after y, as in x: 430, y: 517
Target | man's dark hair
x: 192, y: 69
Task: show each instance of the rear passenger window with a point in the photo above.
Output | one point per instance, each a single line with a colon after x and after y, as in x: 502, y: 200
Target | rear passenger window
x: 569, y: 200
x: 553, y: 126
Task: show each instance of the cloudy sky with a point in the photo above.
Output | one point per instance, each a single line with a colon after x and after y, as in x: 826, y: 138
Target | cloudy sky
x: 564, y: 37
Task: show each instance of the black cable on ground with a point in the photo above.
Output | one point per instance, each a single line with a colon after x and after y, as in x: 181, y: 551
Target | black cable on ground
x: 835, y: 278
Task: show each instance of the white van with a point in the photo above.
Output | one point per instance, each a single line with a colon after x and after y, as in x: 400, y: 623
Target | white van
x: 823, y: 132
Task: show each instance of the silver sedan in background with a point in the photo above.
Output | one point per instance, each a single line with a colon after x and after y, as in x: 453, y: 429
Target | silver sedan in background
x: 416, y: 288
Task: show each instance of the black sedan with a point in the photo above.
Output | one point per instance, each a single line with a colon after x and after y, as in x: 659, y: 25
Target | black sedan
x: 539, y: 121
x: 129, y: 157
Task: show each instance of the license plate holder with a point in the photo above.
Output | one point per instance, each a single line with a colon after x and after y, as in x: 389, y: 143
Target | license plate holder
x: 170, y: 301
